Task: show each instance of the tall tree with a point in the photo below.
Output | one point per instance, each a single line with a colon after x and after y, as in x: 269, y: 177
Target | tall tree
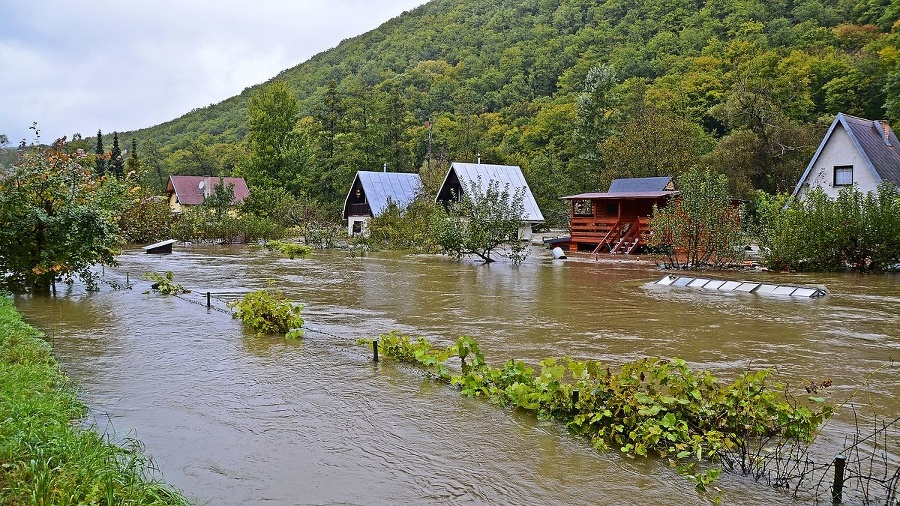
x: 116, y: 163
x: 598, y: 114
x: 273, y: 112
x: 100, y: 156
x: 133, y: 163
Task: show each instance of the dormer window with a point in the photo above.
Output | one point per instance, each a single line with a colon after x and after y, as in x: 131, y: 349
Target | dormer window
x: 843, y: 175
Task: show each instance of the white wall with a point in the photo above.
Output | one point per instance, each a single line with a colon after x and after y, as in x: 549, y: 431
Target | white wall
x: 839, y: 151
x: 364, y: 225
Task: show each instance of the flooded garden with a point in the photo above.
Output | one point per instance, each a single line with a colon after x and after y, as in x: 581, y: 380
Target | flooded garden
x: 235, y: 418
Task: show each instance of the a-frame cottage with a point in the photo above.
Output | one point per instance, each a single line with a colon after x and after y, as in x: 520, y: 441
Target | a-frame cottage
x: 854, y: 151
x: 461, y: 175
x: 616, y: 221
x: 372, y: 192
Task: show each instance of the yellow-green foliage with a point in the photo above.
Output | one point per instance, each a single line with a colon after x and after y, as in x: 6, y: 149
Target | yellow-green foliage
x: 269, y: 313
x: 45, y: 456
x: 291, y: 249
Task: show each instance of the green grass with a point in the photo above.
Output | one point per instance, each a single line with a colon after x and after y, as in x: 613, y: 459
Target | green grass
x: 45, y: 456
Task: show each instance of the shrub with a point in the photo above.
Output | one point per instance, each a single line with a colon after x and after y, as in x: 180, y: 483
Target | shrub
x: 163, y: 283
x: 269, y: 313
x: 291, y: 249
x: 650, y: 407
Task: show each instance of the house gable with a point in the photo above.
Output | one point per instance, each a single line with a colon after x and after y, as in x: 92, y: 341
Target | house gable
x: 854, y: 151
x: 461, y: 174
x: 371, y: 192
x: 191, y: 190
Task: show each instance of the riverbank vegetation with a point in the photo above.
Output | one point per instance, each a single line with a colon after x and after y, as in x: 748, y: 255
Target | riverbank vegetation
x: 650, y: 407
x: 46, y: 457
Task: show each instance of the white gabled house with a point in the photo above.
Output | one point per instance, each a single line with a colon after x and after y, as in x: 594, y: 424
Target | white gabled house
x: 854, y: 151
x: 372, y: 192
x: 461, y: 175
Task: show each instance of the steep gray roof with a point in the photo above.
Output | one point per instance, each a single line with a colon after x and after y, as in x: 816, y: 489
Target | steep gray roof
x: 383, y: 187
x: 877, y: 144
x: 503, y: 174
x: 639, y: 184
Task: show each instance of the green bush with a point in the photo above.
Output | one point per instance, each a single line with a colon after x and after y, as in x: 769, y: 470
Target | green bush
x: 291, y: 249
x: 269, y: 313
x: 164, y: 284
x: 650, y: 407
x: 857, y: 230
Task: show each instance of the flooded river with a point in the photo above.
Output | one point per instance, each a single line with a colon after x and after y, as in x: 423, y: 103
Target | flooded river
x: 231, y: 418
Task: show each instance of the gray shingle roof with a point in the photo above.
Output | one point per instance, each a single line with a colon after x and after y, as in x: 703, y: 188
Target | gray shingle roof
x: 503, y: 174
x: 871, y: 136
x: 382, y: 187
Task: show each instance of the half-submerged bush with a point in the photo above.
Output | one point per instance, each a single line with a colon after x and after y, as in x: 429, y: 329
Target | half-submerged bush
x: 650, y: 407
x: 163, y: 283
x: 291, y: 249
x: 269, y: 313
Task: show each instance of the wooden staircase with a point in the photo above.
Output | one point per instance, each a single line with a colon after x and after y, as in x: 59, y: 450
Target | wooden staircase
x: 624, y: 238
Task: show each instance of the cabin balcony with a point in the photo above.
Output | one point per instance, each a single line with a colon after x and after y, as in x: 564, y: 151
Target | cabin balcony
x: 359, y: 209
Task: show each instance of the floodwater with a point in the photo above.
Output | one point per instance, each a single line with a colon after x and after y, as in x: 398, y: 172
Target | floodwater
x: 232, y: 418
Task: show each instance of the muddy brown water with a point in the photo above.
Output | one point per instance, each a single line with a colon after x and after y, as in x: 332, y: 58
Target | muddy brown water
x: 231, y: 418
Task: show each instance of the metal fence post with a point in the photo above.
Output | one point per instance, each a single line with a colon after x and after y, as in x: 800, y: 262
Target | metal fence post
x: 837, y: 489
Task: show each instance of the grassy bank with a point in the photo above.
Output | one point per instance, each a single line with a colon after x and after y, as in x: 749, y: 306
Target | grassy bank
x: 45, y: 456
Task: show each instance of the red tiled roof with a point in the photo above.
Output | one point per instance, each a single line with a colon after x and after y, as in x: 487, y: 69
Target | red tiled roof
x: 190, y: 191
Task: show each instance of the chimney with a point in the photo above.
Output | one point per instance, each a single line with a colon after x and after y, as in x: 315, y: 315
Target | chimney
x: 884, y: 130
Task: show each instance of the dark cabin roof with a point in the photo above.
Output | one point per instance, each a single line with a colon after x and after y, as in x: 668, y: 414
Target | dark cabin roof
x: 191, y: 190
x: 380, y: 188
x: 634, y: 188
x: 877, y: 144
x: 641, y: 185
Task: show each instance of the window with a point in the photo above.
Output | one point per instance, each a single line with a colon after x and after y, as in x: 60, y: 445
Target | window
x: 582, y: 208
x: 843, y: 175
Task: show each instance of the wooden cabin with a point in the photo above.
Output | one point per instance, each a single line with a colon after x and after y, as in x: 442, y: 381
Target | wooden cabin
x: 616, y: 221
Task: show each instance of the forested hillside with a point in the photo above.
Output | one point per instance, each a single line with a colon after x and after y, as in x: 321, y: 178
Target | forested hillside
x: 577, y: 92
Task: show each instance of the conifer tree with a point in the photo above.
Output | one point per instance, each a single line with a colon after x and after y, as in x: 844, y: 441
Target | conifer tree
x: 116, y: 164
x: 100, y: 164
x: 133, y: 164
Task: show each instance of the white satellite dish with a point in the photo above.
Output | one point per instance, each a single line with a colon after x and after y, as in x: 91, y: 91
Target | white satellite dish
x: 201, y: 185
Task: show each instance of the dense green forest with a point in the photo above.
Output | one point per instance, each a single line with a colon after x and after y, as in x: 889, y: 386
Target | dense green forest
x: 576, y: 92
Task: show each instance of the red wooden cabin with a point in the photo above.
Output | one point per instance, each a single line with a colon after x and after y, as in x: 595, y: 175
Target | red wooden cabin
x: 616, y: 221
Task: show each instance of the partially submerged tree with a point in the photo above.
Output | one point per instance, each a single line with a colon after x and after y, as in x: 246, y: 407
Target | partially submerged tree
x: 485, y: 218
x: 701, y: 226
x: 57, y: 220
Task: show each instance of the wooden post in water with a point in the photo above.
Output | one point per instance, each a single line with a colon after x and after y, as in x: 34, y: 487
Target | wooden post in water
x: 208, y: 304
x: 837, y: 489
x: 127, y: 282
x: 575, y: 394
x: 375, y: 350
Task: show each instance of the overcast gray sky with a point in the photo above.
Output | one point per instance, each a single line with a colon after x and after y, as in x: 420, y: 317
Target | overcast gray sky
x: 80, y: 66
